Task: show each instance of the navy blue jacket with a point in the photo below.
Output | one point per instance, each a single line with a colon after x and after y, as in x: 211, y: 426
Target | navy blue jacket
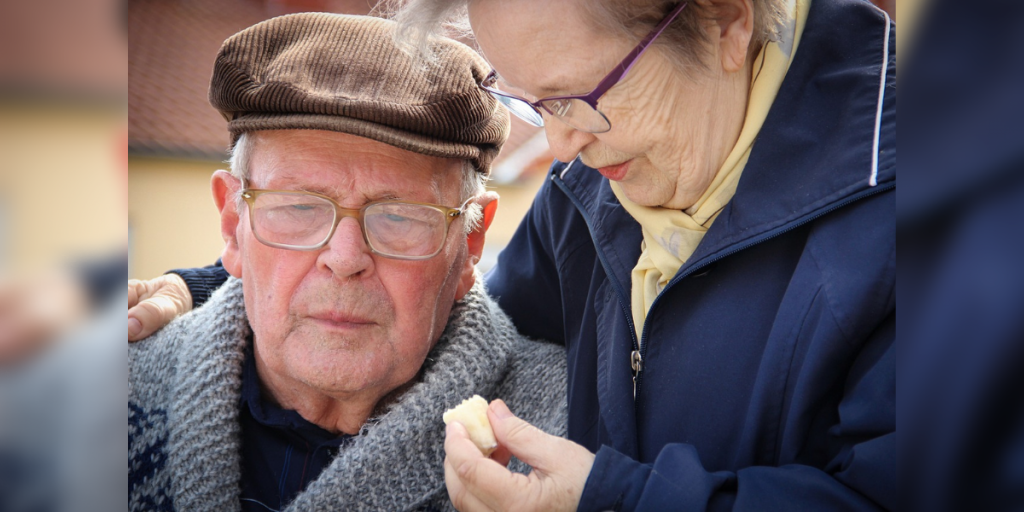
x: 959, y: 228
x: 768, y: 378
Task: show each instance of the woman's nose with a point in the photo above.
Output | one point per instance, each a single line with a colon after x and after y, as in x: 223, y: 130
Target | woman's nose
x: 565, y: 141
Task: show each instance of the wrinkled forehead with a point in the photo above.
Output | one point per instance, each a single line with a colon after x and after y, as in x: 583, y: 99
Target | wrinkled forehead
x: 543, y: 47
x: 349, y: 168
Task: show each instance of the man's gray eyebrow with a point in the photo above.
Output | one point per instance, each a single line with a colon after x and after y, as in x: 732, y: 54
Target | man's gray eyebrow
x: 337, y: 193
x: 289, y: 184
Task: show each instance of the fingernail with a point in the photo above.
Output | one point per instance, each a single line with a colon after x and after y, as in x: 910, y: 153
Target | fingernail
x: 500, y: 409
x: 134, y: 327
x: 453, y: 428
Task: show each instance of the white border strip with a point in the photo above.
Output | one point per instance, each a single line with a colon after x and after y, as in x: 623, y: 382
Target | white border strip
x: 567, y: 167
x: 873, y: 180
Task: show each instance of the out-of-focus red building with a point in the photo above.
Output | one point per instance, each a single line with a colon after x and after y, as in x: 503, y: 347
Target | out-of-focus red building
x: 63, y: 80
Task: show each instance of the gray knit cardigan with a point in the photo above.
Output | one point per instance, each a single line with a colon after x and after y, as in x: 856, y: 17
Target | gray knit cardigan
x: 184, y: 387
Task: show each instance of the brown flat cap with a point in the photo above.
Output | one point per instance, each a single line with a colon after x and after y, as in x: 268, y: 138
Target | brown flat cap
x: 345, y: 73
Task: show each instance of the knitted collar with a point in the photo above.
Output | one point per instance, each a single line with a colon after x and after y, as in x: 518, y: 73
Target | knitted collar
x: 396, y: 461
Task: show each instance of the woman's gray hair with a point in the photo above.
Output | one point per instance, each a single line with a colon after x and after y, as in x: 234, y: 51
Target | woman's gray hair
x: 685, y: 38
x: 473, y: 182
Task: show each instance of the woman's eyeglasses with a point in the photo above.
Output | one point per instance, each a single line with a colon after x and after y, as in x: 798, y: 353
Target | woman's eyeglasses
x: 579, y: 112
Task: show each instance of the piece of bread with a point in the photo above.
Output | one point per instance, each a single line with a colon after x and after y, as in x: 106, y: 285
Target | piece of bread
x: 472, y: 413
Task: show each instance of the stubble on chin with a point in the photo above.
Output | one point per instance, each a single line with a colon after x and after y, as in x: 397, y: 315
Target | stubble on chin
x: 323, y: 359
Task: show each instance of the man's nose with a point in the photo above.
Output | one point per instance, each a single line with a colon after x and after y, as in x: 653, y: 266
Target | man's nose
x: 565, y: 141
x: 346, y: 254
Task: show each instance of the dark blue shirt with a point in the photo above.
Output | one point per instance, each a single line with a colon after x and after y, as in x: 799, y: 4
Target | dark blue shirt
x: 281, y: 451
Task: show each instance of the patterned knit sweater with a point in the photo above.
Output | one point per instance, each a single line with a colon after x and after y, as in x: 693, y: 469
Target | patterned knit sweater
x: 184, y: 386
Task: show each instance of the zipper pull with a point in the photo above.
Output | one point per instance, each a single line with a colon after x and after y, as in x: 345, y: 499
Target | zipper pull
x: 637, y: 363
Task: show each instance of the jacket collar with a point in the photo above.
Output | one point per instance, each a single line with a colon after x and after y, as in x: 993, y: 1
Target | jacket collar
x: 813, y: 154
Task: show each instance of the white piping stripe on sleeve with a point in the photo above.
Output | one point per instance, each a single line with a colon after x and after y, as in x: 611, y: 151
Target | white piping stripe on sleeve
x: 873, y: 180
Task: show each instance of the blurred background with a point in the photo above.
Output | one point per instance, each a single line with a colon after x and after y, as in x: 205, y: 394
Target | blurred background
x: 63, y: 254
x: 63, y: 125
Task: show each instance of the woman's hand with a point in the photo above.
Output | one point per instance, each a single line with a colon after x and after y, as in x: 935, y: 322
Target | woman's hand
x: 154, y: 303
x: 475, y: 482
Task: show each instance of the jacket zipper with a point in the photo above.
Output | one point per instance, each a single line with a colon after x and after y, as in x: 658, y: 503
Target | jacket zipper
x: 636, y: 361
x: 637, y: 356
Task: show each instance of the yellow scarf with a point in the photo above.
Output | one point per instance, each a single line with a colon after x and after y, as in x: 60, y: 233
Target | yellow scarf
x: 671, y: 236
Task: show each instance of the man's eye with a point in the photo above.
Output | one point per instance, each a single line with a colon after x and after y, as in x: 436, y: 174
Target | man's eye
x: 391, y: 217
x: 303, y: 207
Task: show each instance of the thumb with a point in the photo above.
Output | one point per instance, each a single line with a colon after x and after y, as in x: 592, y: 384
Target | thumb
x: 151, y: 314
x: 159, y: 301
x: 527, y: 442
x: 148, y: 316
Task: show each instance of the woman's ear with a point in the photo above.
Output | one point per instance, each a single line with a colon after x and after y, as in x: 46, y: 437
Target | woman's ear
x: 225, y: 189
x: 734, y: 22
x: 488, y: 201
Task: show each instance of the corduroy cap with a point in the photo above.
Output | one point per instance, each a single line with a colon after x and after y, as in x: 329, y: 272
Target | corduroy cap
x: 345, y: 73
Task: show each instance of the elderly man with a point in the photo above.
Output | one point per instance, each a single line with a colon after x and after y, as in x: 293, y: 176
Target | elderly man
x: 316, y: 378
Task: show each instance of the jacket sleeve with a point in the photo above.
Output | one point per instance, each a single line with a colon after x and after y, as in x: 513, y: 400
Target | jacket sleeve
x: 103, y: 279
x: 525, y: 280
x: 202, y: 282
x: 860, y: 476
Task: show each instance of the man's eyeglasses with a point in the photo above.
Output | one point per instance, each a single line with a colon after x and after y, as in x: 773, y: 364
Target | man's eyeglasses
x: 581, y: 111
x: 306, y: 221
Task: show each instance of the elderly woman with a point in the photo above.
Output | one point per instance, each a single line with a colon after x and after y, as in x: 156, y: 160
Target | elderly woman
x: 715, y: 248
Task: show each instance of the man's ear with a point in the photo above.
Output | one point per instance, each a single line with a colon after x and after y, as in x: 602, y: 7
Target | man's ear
x: 735, y: 26
x: 225, y: 190
x: 475, y: 242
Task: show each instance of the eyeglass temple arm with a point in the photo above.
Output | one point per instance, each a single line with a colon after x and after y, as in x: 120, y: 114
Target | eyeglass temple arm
x: 457, y: 212
x: 631, y: 58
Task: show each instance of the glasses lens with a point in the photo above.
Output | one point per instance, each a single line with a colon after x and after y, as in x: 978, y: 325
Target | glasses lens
x: 521, y: 109
x: 513, y: 99
x: 296, y: 220
x: 578, y: 114
x: 405, y: 230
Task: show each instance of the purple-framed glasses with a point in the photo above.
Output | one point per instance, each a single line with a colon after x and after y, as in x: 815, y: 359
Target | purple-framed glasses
x: 581, y: 111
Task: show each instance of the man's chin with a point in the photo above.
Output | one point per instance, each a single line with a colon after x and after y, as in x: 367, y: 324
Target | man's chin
x: 328, y: 341
x: 338, y: 371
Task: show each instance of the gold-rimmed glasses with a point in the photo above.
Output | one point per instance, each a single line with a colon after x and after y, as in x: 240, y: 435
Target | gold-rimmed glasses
x: 306, y: 221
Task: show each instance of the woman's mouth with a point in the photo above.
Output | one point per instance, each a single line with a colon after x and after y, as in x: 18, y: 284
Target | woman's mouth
x: 615, y: 172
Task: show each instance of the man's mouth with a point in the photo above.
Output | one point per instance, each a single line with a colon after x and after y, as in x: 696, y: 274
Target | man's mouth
x: 615, y: 172
x: 339, y: 320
